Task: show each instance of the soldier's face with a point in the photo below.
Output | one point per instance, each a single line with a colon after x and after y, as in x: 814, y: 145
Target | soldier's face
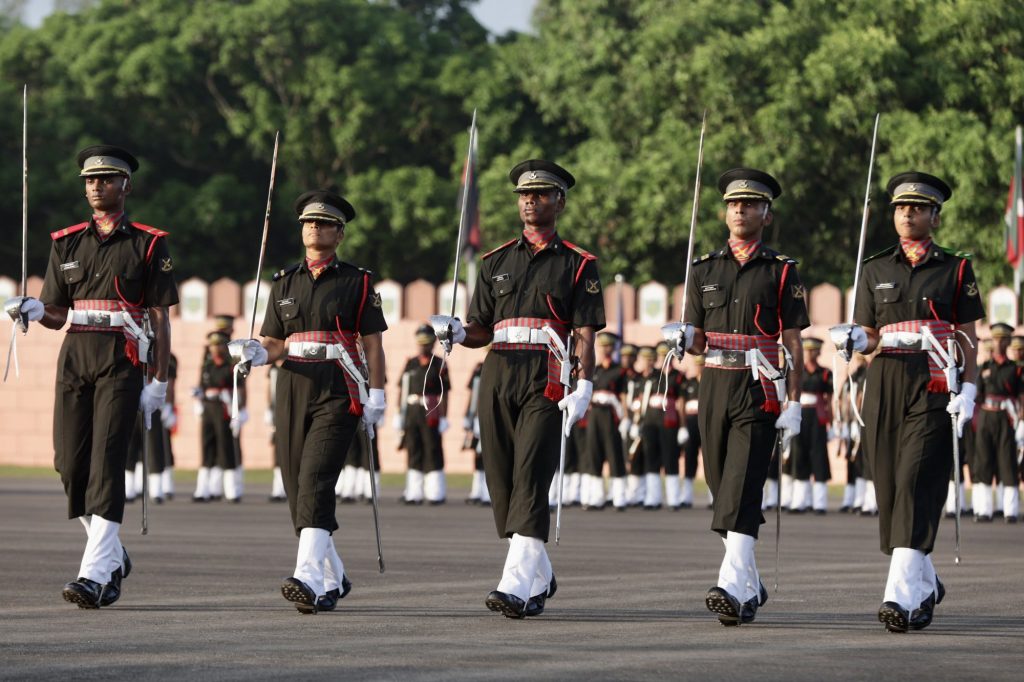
x: 746, y: 219
x: 644, y: 363
x: 107, y: 192
x: 915, y: 221
x: 540, y: 208
x: 1001, y: 345
x: 811, y: 355
x: 322, y: 235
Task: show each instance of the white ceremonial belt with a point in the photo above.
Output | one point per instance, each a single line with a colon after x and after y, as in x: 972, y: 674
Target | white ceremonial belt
x: 520, y: 335
x: 809, y: 399
x: 903, y: 341
x: 656, y: 401
x: 98, y: 318
x: 691, y: 406
x: 314, y: 350
x: 718, y: 357
x: 413, y: 399
x: 604, y: 398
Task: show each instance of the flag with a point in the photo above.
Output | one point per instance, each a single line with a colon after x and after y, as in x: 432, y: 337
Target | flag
x: 1014, y: 219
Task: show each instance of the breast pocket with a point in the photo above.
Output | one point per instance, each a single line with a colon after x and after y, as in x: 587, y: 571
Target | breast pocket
x: 131, y: 284
x: 766, y: 311
x: 503, y: 285
x: 559, y: 299
x: 72, y: 272
x: 888, y: 293
x: 713, y: 299
x: 291, y: 315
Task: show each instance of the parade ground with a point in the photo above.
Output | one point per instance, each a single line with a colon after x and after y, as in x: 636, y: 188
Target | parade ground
x: 203, y: 602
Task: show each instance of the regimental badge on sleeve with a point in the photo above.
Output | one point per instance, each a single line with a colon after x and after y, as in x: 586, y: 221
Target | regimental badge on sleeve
x: 972, y: 288
x: 593, y: 286
x: 375, y: 301
x: 166, y: 265
x: 798, y: 291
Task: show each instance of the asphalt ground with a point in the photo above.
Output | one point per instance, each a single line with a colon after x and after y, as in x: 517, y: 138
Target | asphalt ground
x: 203, y: 600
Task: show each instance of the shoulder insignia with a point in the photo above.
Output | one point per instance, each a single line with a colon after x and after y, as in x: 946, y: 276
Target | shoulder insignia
x: 286, y: 271
x: 353, y: 265
x: 68, y: 230
x: 786, y: 259
x: 884, y: 252
x: 706, y: 256
x: 582, y: 252
x: 966, y: 255
x: 490, y: 253
x: 151, y: 230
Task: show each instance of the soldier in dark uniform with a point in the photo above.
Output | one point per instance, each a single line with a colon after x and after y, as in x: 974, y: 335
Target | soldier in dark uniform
x: 741, y: 299
x: 849, y: 434
x: 218, y: 448
x: 169, y: 421
x: 478, y: 493
x: 691, y: 446
x: 354, y: 482
x: 424, y: 387
x: 657, y: 440
x: 809, y: 451
x: 604, y: 441
x: 528, y: 285
x: 110, y: 278
x: 323, y: 319
x: 277, y: 493
x: 631, y: 401
x: 1000, y: 428
x: 913, y: 298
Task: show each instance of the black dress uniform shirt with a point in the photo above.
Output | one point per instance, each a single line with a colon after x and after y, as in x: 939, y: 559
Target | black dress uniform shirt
x: 434, y: 380
x: 299, y: 303
x: 515, y: 282
x: 726, y: 298
x: 942, y: 287
x: 1000, y: 379
x: 611, y: 378
x: 84, y: 267
x: 216, y: 376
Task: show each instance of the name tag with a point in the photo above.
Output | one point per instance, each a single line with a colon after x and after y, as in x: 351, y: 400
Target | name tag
x: 69, y: 266
x: 885, y: 285
x: 709, y: 287
x: 501, y: 278
x: 286, y: 301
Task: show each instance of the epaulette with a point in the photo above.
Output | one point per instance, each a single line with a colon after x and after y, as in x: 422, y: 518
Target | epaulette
x: 151, y: 230
x: 586, y: 254
x: 286, y: 271
x: 353, y: 265
x: 884, y: 252
x: 68, y: 230
x: 490, y: 253
x: 966, y: 255
x: 786, y: 259
x: 707, y: 256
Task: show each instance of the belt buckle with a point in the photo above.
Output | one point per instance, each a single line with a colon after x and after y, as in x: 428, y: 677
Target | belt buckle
x: 315, y: 352
x: 730, y: 357
x: 97, y: 318
x: 518, y: 335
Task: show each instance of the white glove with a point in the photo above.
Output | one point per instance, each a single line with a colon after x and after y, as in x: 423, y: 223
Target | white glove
x: 197, y: 407
x: 847, y: 336
x: 373, y: 410
x: 268, y: 417
x: 1019, y: 434
x: 248, y: 350
x: 683, y: 435
x: 448, y: 330
x: 237, y: 422
x: 24, y: 309
x: 962, y: 405
x: 855, y: 431
x: 167, y: 416
x: 442, y: 424
x: 634, y: 431
x: 397, y: 424
x: 476, y: 427
x: 625, y: 427
x: 154, y: 395
x: 576, y: 403
x: 679, y: 336
x: 789, y: 422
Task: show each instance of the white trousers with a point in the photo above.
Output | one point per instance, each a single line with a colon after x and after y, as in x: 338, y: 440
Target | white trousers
x: 738, y: 574
x: 911, y: 578
x: 527, y: 567
x: 435, y: 486
x: 413, y: 486
x: 103, y: 552
x: 311, y: 557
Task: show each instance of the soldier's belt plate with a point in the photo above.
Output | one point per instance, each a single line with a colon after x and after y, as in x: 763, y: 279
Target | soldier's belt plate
x: 98, y: 319
x: 718, y: 357
x: 317, y: 352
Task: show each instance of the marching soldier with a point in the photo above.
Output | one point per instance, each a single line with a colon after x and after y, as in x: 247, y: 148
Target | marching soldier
x: 1000, y: 429
x: 740, y: 300
x: 471, y: 424
x: 424, y: 387
x: 322, y: 320
x: 216, y: 475
x: 691, y: 444
x: 530, y: 289
x: 604, y: 442
x: 849, y: 434
x: 277, y: 493
x: 169, y: 421
x: 631, y: 402
x: 913, y: 298
x: 655, y: 432
x: 110, y: 278
x: 809, y: 455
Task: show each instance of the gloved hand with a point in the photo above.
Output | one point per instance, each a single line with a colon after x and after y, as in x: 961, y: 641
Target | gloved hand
x: 962, y: 405
x: 855, y: 431
x: 154, y: 394
x: 843, y: 335
x: 789, y: 422
x: 448, y: 330
x: 373, y: 410
x: 248, y: 351
x: 683, y: 435
x: 634, y: 431
x: 1019, y: 434
x: 24, y: 309
x: 625, y: 426
x: 576, y: 403
x: 442, y: 424
x: 679, y: 336
x: 396, y: 423
x: 237, y: 422
x: 167, y: 416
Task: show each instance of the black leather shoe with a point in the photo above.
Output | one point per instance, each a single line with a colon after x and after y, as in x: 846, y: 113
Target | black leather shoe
x: 845, y: 509
x: 300, y: 594
x: 762, y: 594
x: 1011, y: 519
x: 940, y: 591
x: 126, y: 563
x: 894, y: 617
x: 329, y: 600
x: 724, y: 604
x: 983, y: 519
x: 436, y: 503
x: 535, y: 606
x: 922, y: 615
x: 509, y: 605
x: 748, y: 611
x: 112, y: 590
x: 277, y: 498
x: 83, y: 592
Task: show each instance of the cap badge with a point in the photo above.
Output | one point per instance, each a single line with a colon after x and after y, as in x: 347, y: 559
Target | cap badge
x: 743, y: 184
x: 99, y: 161
x: 319, y: 207
x: 912, y: 187
x: 533, y: 175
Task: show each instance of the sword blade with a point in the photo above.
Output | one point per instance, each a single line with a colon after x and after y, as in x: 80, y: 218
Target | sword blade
x: 266, y: 231
x: 956, y: 492
x: 24, y: 192
x: 864, y: 222
x: 693, y: 215
x: 469, y: 170
x: 373, y: 495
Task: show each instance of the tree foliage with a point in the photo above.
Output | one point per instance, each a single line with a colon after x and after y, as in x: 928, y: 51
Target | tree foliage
x: 374, y: 97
